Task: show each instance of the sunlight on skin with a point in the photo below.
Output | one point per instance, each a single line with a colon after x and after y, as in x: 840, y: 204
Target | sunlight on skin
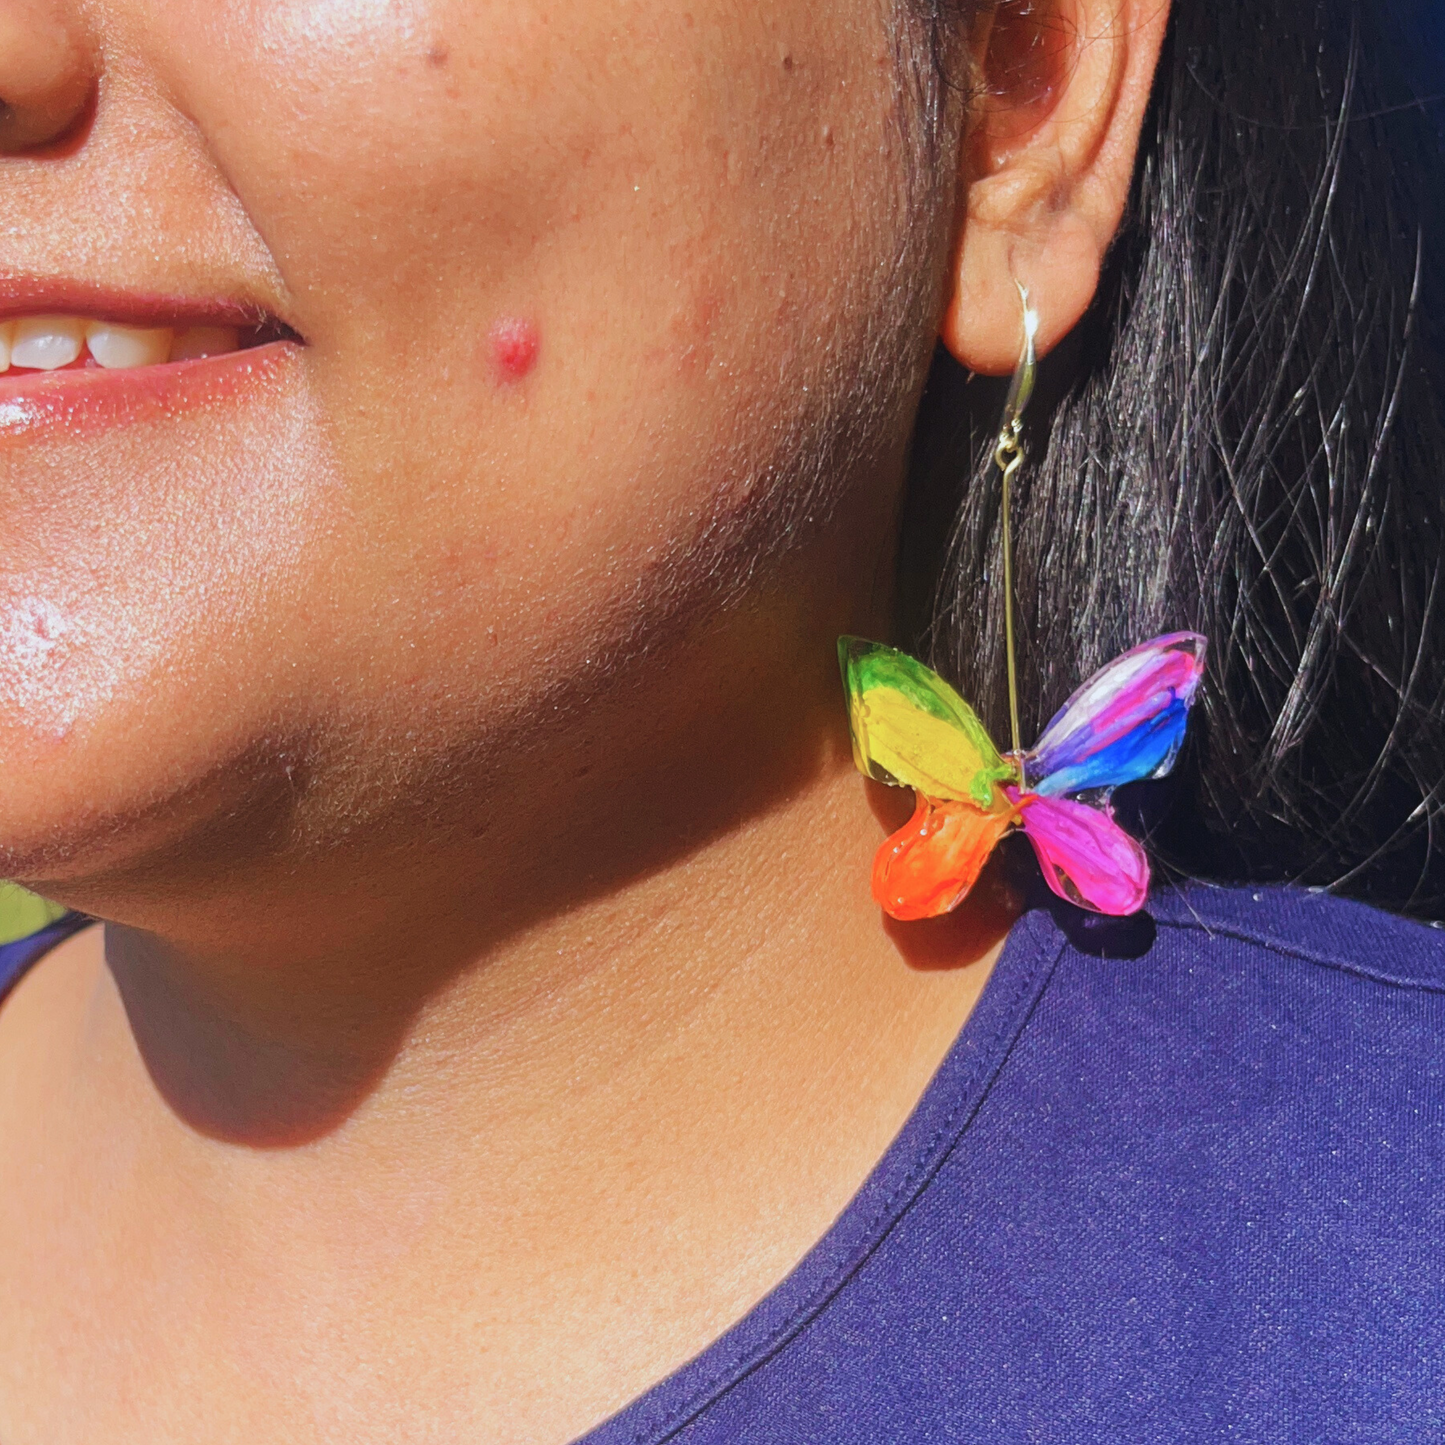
x: 440, y: 696
x: 247, y: 637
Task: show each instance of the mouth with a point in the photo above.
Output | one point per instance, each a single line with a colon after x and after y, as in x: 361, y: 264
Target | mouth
x: 76, y: 355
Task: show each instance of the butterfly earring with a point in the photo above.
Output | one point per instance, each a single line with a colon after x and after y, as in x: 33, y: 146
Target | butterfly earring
x: 911, y: 729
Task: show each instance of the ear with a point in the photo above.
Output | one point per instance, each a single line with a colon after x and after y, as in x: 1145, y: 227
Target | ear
x: 1047, y: 167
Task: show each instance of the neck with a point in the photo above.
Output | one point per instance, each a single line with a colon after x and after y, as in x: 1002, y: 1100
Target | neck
x: 611, y: 1120
x: 404, y: 992
x: 762, y: 929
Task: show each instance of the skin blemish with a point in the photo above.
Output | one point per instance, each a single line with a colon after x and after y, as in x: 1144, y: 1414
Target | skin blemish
x: 437, y: 56
x: 515, y: 343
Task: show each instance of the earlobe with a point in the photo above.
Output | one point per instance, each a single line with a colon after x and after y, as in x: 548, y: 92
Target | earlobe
x: 1057, y: 259
x: 1041, y: 208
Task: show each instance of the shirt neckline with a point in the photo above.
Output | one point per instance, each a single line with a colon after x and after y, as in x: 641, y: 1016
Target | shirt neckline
x: 19, y: 956
x: 939, y: 1119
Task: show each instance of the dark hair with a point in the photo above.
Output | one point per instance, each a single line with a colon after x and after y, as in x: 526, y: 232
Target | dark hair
x: 1245, y: 436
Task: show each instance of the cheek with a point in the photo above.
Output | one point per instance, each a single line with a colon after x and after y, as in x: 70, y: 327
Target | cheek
x: 384, y: 146
x: 568, y: 273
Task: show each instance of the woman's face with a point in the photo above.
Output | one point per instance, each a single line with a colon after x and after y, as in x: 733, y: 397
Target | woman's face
x: 590, y: 304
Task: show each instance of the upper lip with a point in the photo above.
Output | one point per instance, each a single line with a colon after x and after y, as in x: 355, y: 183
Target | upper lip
x: 33, y: 296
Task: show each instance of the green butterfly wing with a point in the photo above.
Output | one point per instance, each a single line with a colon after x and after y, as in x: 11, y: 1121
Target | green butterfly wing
x: 910, y: 728
x: 22, y: 913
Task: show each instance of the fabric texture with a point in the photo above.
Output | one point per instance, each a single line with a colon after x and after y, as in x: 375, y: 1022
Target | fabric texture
x: 1191, y: 1193
x: 1181, y: 1178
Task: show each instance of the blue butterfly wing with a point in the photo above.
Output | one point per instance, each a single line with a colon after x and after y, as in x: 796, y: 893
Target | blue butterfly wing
x: 1127, y: 722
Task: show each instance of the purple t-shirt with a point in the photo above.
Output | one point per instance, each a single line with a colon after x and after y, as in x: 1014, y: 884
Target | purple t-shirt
x: 1178, y: 1181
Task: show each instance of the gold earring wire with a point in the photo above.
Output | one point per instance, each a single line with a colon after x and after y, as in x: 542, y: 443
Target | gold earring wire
x: 1008, y: 456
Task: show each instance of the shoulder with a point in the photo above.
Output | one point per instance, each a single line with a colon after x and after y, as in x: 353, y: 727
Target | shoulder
x: 1179, y: 1179
x: 1243, y: 1018
x: 1278, y: 977
x: 1205, y: 1182
x: 1284, y: 927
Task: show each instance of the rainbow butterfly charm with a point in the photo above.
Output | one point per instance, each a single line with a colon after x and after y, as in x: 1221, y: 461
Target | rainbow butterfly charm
x: 911, y: 729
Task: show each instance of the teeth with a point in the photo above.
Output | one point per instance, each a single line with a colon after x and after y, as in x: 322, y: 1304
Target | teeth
x: 46, y: 343
x: 117, y: 347
x: 197, y: 341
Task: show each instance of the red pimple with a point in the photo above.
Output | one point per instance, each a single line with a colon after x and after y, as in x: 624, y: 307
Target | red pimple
x: 515, y: 344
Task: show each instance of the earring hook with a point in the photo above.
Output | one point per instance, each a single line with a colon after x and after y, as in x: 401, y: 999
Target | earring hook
x: 1022, y: 386
x: 1008, y: 456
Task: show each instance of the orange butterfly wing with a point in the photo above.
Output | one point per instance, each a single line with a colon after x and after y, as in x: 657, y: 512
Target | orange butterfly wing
x: 927, y: 866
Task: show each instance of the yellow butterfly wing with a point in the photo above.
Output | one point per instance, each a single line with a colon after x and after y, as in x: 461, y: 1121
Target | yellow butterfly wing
x: 911, y: 729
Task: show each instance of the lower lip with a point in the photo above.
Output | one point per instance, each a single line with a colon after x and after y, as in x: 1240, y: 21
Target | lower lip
x: 79, y: 402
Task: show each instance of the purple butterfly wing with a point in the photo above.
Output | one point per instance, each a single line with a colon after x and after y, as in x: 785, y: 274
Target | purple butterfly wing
x: 1087, y: 858
x: 1125, y: 723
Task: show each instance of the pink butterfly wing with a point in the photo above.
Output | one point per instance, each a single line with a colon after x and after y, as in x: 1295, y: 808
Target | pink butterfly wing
x: 1087, y: 858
